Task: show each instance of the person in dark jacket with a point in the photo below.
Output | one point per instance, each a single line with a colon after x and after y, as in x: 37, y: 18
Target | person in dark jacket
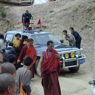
x: 10, y: 49
x: 9, y: 53
x: 26, y: 17
x: 77, y: 37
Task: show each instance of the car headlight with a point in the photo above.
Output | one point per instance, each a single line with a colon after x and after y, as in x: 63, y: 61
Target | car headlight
x: 72, y: 55
x: 66, y: 55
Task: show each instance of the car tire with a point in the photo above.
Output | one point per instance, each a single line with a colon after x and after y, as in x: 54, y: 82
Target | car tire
x: 74, y: 69
x: 38, y: 67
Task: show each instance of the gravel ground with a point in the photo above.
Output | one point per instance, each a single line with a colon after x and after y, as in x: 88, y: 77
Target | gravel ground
x: 71, y: 84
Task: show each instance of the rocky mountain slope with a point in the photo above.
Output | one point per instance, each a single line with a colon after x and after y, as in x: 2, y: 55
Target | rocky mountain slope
x: 57, y: 16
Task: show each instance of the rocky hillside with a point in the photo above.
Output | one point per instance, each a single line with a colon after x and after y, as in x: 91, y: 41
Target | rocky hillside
x: 57, y: 16
x: 61, y: 14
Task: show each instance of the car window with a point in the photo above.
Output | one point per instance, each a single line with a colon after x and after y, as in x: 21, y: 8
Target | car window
x: 34, y: 38
x: 9, y: 37
x: 42, y: 39
x: 54, y: 38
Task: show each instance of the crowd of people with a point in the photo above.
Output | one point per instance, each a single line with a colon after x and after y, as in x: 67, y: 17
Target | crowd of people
x: 19, y: 58
x: 19, y: 68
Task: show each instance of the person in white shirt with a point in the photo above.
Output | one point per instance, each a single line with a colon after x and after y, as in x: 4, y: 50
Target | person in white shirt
x: 70, y: 38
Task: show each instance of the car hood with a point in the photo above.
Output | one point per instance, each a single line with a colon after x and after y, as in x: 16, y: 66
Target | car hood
x: 60, y: 48
x: 65, y: 48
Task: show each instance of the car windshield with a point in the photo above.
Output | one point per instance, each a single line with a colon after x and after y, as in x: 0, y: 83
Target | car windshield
x: 9, y: 37
x: 42, y: 39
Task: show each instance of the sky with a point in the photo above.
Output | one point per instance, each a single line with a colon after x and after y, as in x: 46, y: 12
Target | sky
x: 40, y: 1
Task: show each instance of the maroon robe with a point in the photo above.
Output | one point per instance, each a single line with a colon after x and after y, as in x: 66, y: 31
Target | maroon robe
x: 29, y: 51
x: 50, y: 67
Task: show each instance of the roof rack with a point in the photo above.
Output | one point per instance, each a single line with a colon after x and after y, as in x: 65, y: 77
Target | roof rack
x: 17, y: 2
x: 32, y: 31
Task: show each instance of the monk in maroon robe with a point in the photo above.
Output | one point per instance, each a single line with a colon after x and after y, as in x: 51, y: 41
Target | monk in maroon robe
x: 28, y: 50
x: 50, y: 65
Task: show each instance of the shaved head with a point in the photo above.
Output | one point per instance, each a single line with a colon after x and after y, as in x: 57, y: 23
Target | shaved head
x: 7, y: 83
x: 8, y: 68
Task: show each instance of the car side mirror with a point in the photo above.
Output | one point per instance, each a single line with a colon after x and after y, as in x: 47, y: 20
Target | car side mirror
x: 62, y: 41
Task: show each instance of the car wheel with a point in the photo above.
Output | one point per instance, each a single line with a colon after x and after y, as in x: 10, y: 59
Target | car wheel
x: 74, y: 69
x: 38, y: 67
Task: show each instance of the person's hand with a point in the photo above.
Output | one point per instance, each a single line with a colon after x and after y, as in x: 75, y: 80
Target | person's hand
x: 30, y: 67
x: 57, y: 56
x: 18, y: 61
x: 66, y: 37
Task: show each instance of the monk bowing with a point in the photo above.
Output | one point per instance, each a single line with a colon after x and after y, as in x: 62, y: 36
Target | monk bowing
x: 50, y: 65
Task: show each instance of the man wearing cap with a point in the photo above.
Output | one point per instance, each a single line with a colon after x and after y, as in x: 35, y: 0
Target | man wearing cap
x: 28, y: 50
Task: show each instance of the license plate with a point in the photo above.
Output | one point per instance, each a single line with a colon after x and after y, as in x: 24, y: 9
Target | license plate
x: 81, y: 61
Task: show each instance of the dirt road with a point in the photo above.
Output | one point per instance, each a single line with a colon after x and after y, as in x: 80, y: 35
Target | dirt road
x: 71, y: 84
